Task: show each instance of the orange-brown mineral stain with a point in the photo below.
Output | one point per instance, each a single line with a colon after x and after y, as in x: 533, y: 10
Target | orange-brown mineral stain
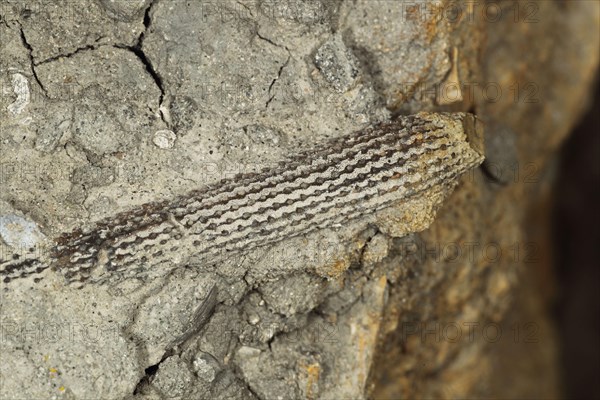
x: 337, y: 267
x: 313, y: 372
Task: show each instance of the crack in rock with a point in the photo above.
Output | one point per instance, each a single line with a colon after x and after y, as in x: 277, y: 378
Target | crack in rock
x: 31, y: 61
x: 266, y: 39
x: 137, y: 49
x: 71, y: 54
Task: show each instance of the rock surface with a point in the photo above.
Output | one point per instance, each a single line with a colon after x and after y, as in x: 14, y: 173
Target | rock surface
x: 105, y: 105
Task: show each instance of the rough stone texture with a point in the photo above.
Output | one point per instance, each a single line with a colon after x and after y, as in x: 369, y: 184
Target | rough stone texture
x: 88, y: 90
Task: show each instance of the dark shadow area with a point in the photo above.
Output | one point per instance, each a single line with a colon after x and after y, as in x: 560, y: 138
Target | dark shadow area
x: 577, y: 246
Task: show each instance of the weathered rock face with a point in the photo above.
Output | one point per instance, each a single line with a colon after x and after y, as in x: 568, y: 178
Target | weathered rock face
x: 108, y: 105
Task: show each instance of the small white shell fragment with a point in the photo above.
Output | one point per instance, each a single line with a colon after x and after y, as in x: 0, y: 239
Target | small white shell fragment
x: 19, y: 232
x: 21, y: 89
x: 164, y: 139
x: 254, y: 319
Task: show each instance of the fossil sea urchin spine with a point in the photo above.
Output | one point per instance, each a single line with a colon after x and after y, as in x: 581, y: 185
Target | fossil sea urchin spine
x: 338, y: 180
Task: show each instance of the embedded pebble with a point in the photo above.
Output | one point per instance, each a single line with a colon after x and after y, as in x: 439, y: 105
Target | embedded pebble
x: 375, y: 250
x: 338, y: 64
x: 164, y: 139
x: 205, y: 370
x: 173, y: 377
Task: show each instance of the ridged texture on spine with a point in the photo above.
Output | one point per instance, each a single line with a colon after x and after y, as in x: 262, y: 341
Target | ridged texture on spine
x: 338, y: 181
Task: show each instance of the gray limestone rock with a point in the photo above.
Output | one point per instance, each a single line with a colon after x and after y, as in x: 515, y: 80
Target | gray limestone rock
x: 107, y: 105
